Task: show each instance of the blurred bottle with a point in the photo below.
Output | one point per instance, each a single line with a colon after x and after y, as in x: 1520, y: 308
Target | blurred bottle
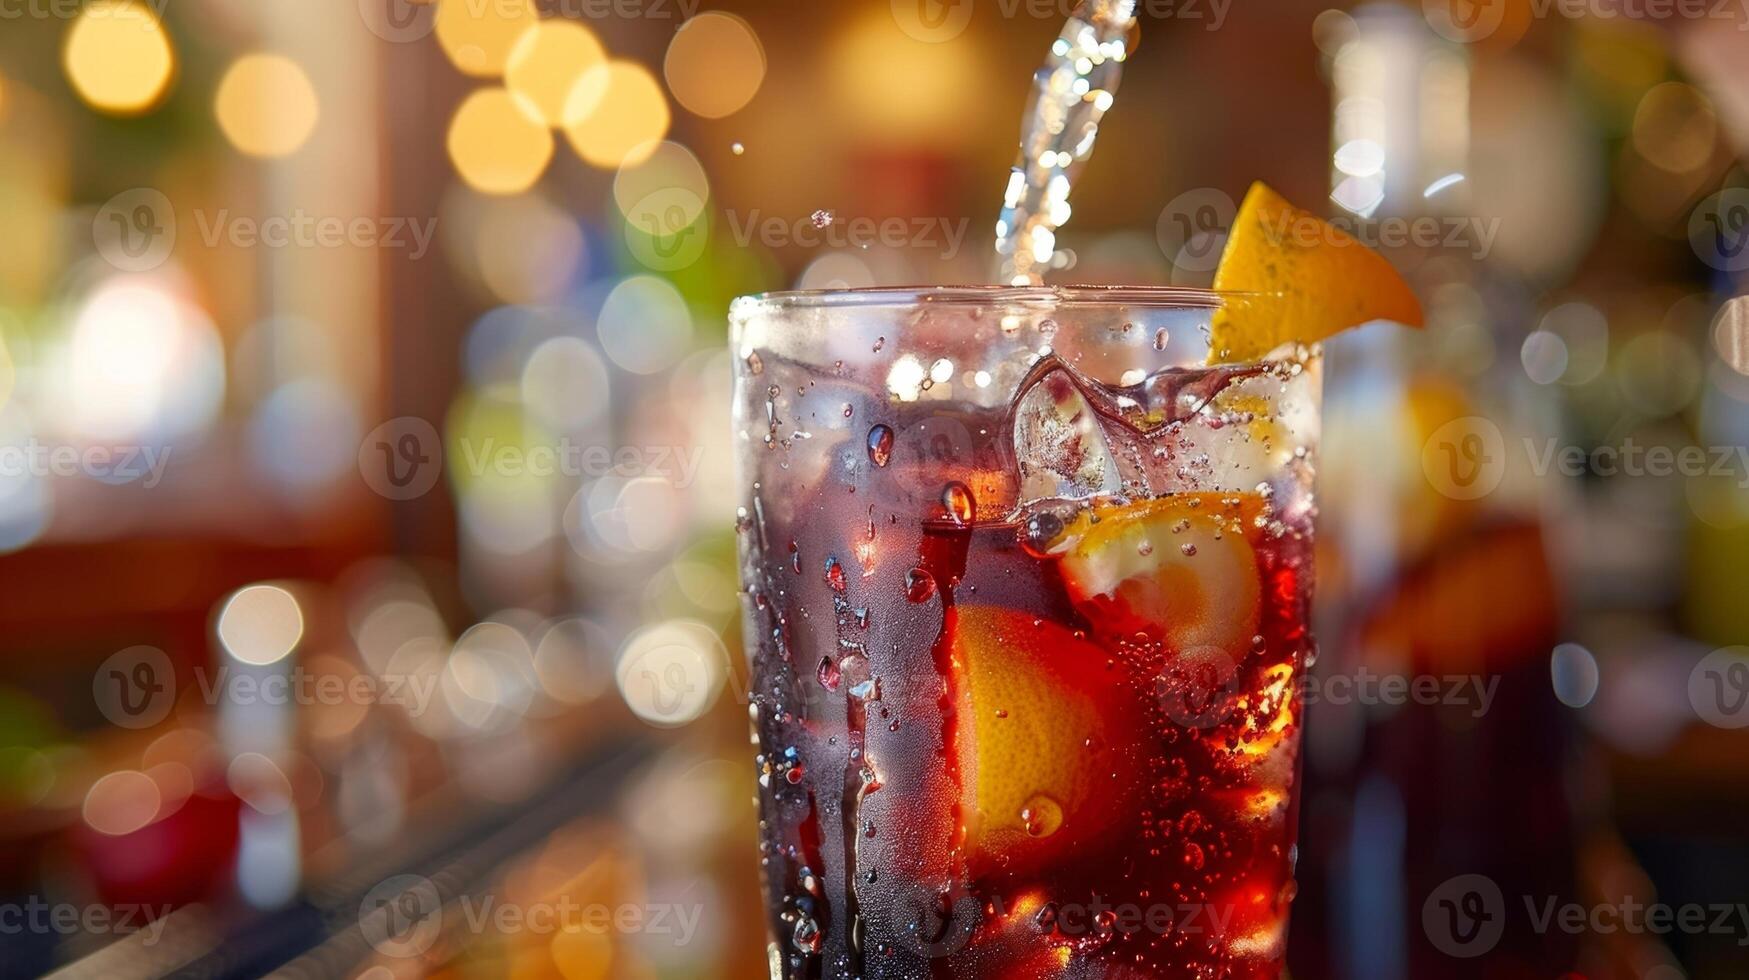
x: 1436, y: 748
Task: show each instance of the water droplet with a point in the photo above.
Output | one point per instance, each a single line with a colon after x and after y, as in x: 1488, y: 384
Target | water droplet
x: 880, y: 445
x: 919, y: 585
x: 879, y: 343
x: 1046, y: 918
x: 807, y: 934
x: 1188, y: 549
x: 1193, y: 855
x: 1160, y: 339
x: 737, y: 148
x: 1146, y: 548
x: 835, y: 576
x: 755, y: 364
x: 821, y: 218
x: 1041, y: 816
x: 849, y: 410
x: 961, y: 507
x: 829, y: 674
x: 1039, y: 532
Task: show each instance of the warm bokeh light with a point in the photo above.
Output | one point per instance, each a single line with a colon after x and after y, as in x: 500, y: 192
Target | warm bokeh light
x: 919, y: 82
x: 1675, y: 127
x: 478, y: 37
x: 118, y: 57
x: 141, y: 361
x: 644, y: 324
x: 526, y: 249
x: 121, y: 803
x: 548, y: 61
x: 671, y: 673
x: 715, y: 64
x: 616, y: 114
x: 497, y: 143
x: 670, y: 176
x: 260, y: 624
x: 266, y: 105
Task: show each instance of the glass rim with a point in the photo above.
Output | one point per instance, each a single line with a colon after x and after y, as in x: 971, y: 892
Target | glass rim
x: 1160, y: 297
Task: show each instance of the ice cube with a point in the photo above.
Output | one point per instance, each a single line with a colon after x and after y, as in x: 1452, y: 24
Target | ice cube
x: 1060, y: 444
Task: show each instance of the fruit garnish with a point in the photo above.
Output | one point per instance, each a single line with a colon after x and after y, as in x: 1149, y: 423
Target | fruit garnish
x: 1042, y: 724
x: 1181, y: 568
x: 1292, y: 276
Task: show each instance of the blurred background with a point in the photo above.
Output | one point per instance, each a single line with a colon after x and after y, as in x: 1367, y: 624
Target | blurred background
x: 367, y: 585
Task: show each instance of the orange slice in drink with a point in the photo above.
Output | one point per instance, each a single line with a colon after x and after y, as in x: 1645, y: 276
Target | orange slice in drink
x: 1181, y: 568
x: 1045, y: 721
x: 1297, y: 278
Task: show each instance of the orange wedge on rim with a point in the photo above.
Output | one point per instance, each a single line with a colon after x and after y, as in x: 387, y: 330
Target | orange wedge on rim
x: 1298, y: 278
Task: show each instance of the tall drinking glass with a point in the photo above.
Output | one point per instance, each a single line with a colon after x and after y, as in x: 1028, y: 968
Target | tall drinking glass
x: 1027, y: 586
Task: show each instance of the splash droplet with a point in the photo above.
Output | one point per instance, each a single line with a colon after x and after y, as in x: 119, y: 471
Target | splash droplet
x: 821, y: 218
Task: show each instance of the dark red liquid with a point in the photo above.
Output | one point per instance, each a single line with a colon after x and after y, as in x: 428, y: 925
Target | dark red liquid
x: 974, y: 764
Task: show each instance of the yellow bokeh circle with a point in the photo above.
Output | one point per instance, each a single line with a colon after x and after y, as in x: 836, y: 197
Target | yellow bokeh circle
x: 497, y: 143
x: 478, y: 35
x: 118, y: 57
x: 715, y: 64
x: 266, y: 105
x: 616, y: 115
x: 547, y: 63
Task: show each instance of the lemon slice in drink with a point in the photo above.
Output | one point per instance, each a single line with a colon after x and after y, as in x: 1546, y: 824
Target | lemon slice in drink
x: 1296, y: 277
x: 1182, y: 568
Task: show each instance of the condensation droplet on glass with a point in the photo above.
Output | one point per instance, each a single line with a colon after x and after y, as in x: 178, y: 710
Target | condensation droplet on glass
x: 880, y: 444
x: 919, y: 585
x: 961, y: 507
